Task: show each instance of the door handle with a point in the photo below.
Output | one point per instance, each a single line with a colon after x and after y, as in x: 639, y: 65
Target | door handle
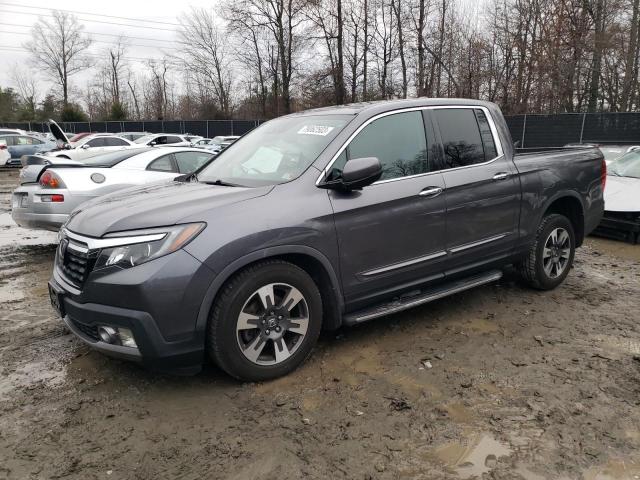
x: 501, y: 176
x: 431, y: 192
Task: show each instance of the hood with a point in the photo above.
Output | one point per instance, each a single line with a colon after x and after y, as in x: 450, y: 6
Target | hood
x: 57, y: 132
x: 154, y: 205
x: 622, y: 194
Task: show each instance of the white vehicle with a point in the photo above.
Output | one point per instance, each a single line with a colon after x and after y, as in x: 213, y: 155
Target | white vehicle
x: 161, y: 139
x: 622, y: 199
x: 86, y: 147
x: 12, y: 131
x: 5, y: 156
x: 50, y: 189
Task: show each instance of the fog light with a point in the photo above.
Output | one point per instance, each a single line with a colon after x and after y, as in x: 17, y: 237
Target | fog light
x: 126, y: 338
x: 107, y: 334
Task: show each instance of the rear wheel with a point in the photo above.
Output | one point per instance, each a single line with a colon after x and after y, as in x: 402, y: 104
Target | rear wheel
x: 265, y: 322
x: 551, y: 256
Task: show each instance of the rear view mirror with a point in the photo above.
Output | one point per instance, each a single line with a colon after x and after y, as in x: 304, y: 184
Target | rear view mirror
x: 357, y: 173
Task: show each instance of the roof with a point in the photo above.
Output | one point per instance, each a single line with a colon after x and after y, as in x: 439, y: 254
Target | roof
x: 385, y: 105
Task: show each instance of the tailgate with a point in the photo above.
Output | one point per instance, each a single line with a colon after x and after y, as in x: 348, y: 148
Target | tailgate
x: 34, y: 165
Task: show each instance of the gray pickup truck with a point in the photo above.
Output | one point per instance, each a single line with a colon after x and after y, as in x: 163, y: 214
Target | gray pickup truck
x: 315, y: 220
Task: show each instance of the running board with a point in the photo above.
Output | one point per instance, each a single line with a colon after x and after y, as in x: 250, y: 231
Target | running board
x: 426, y: 296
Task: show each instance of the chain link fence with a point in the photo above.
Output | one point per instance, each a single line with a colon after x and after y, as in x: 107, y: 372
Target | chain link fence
x: 205, y: 128
x: 531, y: 130
x: 540, y: 130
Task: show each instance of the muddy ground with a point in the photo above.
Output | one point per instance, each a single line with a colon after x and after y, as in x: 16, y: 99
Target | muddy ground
x: 500, y: 382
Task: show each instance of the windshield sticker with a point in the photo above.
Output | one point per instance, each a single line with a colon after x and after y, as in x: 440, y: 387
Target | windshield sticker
x: 321, y: 130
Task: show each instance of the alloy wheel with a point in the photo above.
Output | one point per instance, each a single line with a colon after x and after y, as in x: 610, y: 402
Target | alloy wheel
x: 556, y: 253
x: 272, y: 324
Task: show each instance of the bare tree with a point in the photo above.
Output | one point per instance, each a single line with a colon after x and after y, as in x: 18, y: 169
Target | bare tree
x: 27, y: 88
x: 204, y: 54
x: 57, y: 46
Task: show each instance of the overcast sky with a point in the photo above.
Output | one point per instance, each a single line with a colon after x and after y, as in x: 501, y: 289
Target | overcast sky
x: 152, y: 39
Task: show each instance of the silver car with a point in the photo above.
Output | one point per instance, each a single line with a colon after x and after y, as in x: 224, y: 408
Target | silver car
x: 51, y: 188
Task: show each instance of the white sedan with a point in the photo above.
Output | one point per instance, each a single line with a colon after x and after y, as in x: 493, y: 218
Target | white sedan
x: 162, y: 139
x: 622, y: 199
x: 86, y: 147
x: 51, y: 188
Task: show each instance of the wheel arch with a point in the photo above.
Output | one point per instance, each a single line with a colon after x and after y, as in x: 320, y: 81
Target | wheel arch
x: 309, y: 259
x: 570, y: 205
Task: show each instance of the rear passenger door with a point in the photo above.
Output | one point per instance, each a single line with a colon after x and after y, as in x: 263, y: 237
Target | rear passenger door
x: 391, y: 234
x: 482, y: 188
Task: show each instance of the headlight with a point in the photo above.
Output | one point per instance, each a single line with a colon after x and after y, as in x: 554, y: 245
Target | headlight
x: 141, y: 251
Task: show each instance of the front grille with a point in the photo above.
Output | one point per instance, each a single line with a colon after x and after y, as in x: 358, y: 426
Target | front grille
x: 77, y: 262
x: 88, y: 330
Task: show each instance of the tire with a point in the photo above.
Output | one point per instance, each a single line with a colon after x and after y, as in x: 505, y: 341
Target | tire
x: 535, y: 268
x: 252, y: 339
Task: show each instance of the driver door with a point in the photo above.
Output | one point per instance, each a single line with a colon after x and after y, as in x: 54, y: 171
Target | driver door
x: 391, y: 234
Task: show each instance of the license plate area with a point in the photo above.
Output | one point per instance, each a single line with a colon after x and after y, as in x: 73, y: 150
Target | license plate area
x: 56, y: 301
x: 20, y: 200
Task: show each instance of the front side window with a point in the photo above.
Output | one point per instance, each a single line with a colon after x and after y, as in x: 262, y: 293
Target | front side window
x: 96, y: 142
x: 460, y: 135
x: 278, y: 151
x: 398, y: 141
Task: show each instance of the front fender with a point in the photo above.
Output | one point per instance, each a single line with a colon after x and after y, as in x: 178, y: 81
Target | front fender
x: 270, y: 252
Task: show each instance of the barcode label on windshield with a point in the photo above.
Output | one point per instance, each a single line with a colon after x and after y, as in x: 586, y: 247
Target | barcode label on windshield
x: 321, y: 130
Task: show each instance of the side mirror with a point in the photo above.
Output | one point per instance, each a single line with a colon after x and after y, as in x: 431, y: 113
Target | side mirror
x: 66, y: 146
x: 85, y: 146
x: 357, y: 173
x: 152, y: 144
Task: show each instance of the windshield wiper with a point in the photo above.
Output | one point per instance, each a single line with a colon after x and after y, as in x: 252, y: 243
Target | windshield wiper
x: 222, y: 183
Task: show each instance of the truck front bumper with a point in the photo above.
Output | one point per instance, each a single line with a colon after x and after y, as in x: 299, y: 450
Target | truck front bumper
x: 157, y: 302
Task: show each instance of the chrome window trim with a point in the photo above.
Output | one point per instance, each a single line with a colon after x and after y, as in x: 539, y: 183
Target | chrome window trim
x: 100, y: 243
x: 492, y: 126
x: 406, y: 263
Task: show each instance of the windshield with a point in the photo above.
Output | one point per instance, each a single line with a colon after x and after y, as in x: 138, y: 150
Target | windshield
x: 611, y: 153
x: 276, y: 152
x: 113, y: 158
x: 628, y: 165
x: 145, y: 139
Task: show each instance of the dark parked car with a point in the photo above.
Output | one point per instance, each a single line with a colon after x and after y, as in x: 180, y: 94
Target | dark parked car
x: 319, y: 219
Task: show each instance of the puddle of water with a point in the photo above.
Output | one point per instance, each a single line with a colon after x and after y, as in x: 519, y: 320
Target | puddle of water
x: 615, y: 469
x: 459, y: 413
x: 626, y: 345
x: 616, y: 248
x: 473, y: 456
x: 31, y: 374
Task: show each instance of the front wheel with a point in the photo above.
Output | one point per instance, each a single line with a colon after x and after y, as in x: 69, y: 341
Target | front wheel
x: 265, y: 321
x: 550, y: 258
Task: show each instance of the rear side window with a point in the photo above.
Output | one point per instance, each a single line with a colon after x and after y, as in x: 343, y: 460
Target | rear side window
x: 397, y: 140
x: 191, y: 161
x: 173, y: 139
x: 115, y: 142
x: 162, y: 164
x: 488, y: 143
x: 460, y: 135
